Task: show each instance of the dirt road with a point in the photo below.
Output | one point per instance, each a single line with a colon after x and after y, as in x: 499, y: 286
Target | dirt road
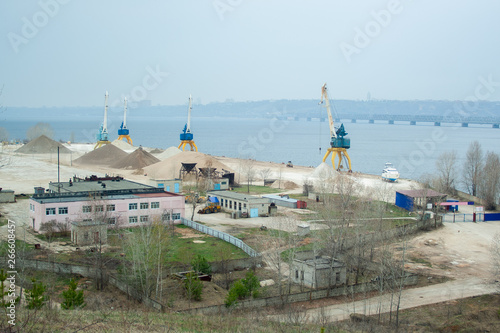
x: 410, y: 298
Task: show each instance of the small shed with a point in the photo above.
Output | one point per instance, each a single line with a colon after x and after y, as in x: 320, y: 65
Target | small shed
x: 319, y: 272
x: 7, y: 196
x: 411, y: 199
x: 89, y: 233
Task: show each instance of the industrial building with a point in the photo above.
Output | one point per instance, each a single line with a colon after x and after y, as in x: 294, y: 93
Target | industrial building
x: 319, y: 272
x: 242, y: 203
x: 112, y: 200
x: 418, y: 199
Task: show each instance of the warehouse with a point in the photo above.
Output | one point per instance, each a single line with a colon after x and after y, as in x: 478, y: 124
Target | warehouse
x: 243, y: 204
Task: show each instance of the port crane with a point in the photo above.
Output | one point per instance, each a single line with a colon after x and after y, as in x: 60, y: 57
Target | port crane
x: 186, y: 135
x: 102, y: 135
x: 339, y: 143
x: 123, y: 132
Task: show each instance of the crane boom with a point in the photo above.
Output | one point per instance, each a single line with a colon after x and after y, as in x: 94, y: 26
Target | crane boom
x: 125, y: 113
x: 324, y: 97
x: 188, y: 125
x: 105, y: 123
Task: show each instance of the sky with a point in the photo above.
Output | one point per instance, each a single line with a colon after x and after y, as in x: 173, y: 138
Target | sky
x: 69, y: 52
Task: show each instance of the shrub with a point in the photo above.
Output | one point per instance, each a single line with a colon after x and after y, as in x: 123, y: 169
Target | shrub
x: 241, y: 289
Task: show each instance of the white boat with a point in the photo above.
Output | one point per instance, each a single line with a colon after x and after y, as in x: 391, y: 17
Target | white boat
x: 390, y: 173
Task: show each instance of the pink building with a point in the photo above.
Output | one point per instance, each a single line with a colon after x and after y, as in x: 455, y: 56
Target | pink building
x: 112, y: 200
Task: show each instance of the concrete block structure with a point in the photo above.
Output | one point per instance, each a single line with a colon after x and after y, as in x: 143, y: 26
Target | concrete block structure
x: 88, y: 233
x: 7, y: 196
x: 242, y: 203
x: 319, y: 272
x: 110, y: 200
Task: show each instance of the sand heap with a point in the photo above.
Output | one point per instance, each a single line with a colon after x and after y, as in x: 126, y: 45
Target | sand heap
x: 169, y: 152
x: 323, y: 171
x: 105, y: 155
x: 172, y: 165
x: 123, y: 145
x: 136, y: 160
x: 287, y: 185
x: 43, y: 145
x: 156, y: 151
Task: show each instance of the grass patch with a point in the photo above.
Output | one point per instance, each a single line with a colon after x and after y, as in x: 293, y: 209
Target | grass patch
x: 184, y: 249
x: 3, y: 221
x: 421, y: 261
x: 21, y: 246
x: 255, y: 189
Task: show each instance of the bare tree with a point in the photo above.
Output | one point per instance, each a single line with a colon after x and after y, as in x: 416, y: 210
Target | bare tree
x: 495, y: 259
x: 148, y: 250
x: 490, y: 180
x: 39, y: 129
x: 472, y: 167
x: 249, y: 172
x: 265, y: 174
x: 446, y: 168
x: 4, y: 134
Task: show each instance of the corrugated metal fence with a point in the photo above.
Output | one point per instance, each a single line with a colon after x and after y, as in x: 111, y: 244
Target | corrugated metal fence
x: 480, y: 217
x: 222, y: 235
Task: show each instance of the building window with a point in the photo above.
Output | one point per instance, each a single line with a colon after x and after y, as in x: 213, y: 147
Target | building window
x: 296, y: 274
x: 132, y: 219
x: 144, y: 218
x: 132, y: 206
x: 222, y: 202
x: 165, y: 217
x: 230, y: 204
x: 50, y: 211
x: 112, y: 220
x: 87, y: 209
x: 144, y: 205
x: 87, y: 220
x: 176, y: 216
x: 239, y: 206
x: 63, y: 210
x: 110, y: 208
x: 155, y: 205
x: 99, y: 208
x: 245, y: 205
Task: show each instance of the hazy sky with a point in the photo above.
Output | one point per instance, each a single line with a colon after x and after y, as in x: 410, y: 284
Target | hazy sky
x: 68, y: 53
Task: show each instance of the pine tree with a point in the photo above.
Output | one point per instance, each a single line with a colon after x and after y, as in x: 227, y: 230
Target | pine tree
x: 72, y: 299
x: 35, y: 297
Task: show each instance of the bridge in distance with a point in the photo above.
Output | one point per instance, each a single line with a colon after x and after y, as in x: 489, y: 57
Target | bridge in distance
x: 411, y: 119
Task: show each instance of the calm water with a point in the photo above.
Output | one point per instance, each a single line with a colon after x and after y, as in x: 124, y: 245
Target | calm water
x: 412, y: 149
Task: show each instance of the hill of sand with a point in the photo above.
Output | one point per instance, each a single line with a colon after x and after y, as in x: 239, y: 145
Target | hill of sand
x: 156, y: 151
x: 123, y: 145
x: 171, y: 166
x: 105, y: 155
x: 324, y: 171
x: 43, y: 145
x: 136, y: 160
x: 169, y: 152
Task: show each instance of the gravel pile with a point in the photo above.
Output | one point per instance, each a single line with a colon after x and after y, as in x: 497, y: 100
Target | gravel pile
x: 43, y: 145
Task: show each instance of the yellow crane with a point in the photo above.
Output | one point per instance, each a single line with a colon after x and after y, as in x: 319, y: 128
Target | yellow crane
x: 339, y: 143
